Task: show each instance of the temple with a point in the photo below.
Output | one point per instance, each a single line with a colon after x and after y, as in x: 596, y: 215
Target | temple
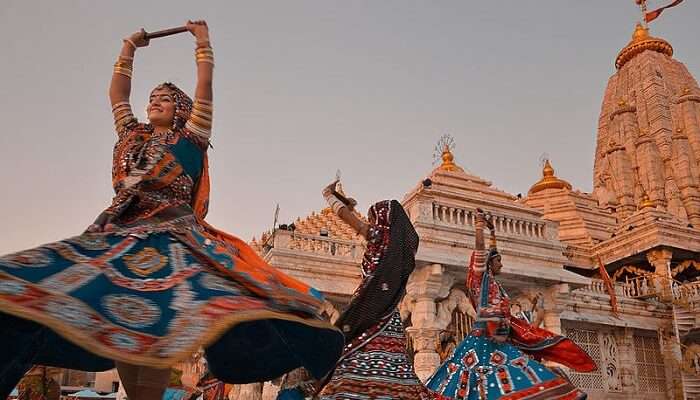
x: 640, y: 222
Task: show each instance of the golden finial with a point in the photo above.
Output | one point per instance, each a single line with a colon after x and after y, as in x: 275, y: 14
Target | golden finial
x: 444, y: 148
x: 642, y: 41
x: 549, y: 180
x: 646, y: 202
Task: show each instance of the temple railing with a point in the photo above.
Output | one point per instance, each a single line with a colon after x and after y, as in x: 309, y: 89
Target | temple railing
x: 597, y: 286
x: 466, y: 217
x: 320, y: 245
x: 650, y: 286
x: 687, y: 291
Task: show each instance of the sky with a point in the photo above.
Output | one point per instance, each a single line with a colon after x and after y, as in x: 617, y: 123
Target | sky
x: 303, y: 88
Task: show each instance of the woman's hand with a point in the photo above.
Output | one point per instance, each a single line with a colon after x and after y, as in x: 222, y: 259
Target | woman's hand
x: 489, y: 222
x: 481, y: 217
x: 138, y: 39
x: 198, y: 29
x: 103, y: 223
x: 330, y: 189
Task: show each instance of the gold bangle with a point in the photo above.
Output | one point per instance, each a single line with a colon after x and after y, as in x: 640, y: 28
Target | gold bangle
x: 123, y: 65
x: 203, y: 108
x: 126, y: 57
x: 131, y: 42
x: 120, y: 104
x: 122, y: 71
x: 119, y: 66
x: 202, y: 113
x: 200, y: 122
x: 197, y: 130
x: 121, y: 108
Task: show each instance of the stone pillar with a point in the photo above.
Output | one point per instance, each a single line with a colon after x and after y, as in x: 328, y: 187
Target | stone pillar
x: 626, y: 359
x: 426, y: 285
x: 552, y: 312
x: 670, y: 339
x: 660, y: 259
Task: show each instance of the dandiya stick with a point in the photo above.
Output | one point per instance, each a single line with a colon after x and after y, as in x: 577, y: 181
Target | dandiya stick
x: 165, y: 32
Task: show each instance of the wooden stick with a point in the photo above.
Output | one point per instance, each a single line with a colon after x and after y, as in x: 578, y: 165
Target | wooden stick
x: 165, y: 32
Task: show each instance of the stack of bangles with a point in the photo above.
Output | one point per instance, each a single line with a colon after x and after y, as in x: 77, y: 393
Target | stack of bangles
x: 122, y: 114
x: 124, y: 66
x: 200, y: 119
x: 204, y: 53
x: 333, y: 200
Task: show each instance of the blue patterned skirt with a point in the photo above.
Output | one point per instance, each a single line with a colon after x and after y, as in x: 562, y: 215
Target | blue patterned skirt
x: 482, y: 369
x: 153, y: 296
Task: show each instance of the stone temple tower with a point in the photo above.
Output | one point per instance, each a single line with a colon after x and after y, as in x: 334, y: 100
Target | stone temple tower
x: 648, y: 144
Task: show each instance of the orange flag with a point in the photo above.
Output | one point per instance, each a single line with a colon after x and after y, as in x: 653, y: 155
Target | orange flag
x: 654, y: 14
x: 609, y: 286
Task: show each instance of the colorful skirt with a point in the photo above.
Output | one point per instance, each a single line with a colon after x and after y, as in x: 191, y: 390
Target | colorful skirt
x: 376, y: 366
x: 481, y: 369
x: 154, y: 294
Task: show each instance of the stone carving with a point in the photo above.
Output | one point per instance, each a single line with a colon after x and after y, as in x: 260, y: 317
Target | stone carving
x: 457, y: 299
x: 610, y: 363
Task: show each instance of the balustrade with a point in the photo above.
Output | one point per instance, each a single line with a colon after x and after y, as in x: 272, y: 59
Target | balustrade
x: 463, y: 217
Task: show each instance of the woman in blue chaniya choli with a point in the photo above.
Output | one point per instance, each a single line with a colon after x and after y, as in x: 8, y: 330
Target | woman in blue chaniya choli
x: 492, y: 362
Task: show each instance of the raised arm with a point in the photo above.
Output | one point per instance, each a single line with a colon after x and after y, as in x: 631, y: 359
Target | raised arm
x: 344, y: 208
x: 200, y: 121
x: 120, y: 86
x: 479, y: 265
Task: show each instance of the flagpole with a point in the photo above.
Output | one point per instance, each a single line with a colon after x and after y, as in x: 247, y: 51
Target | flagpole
x: 643, y: 8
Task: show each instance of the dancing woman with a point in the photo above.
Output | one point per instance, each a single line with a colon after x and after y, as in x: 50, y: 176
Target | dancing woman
x: 374, y: 363
x: 150, y: 281
x: 500, y: 357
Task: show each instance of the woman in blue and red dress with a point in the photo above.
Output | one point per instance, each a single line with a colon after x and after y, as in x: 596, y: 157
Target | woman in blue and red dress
x: 150, y: 282
x: 500, y: 359
x: 375, y: 364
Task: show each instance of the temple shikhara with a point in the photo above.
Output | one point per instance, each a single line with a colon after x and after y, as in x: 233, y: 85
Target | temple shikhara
x: 616, y: 270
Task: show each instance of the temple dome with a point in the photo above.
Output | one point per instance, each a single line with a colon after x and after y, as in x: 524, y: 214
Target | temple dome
x: 641, y: 41
x: 549, y: 180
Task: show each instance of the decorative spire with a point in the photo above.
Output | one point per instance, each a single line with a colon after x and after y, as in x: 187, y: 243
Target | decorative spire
x: 444, y: 149
x: 641, y: 41
x: 549, y: 180
x: 448, y: 161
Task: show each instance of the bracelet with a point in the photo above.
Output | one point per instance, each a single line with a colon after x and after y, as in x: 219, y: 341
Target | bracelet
x: 120, y: 104
x: 123, y: 71
x: 200, y: 121
x: 333, y: 201
x: 131, y: 42
x: 123, y: 64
